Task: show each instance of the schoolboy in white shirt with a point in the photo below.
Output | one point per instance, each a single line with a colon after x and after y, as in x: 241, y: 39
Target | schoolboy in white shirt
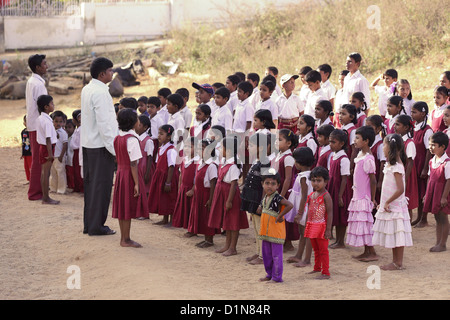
x: 314, y: 79
x: 326, y: 85
x: 231, y: 84
x: 223, y: 116
x: 384, y: 92
x: 58, y: 176
x: 355, y: 81
x: 289, y: 105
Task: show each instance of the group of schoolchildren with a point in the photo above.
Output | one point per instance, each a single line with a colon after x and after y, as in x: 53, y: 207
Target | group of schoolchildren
x: 298, y: 164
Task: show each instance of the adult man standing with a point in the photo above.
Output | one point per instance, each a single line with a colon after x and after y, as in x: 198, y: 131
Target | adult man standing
x: 97, y: 140
x: 34, y: 89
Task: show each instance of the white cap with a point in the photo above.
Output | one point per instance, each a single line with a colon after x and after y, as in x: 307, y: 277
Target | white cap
x: 288, y: 77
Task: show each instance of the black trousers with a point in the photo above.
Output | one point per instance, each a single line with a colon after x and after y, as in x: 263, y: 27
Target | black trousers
x: 98, y: 174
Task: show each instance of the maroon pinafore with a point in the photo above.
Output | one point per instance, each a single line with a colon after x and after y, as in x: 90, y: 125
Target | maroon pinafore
x: 411, y: 190
x: 322, y: 160
x: 180, y: 217
x: 143, y: 164
x: 340, y: 214
x: 360, y: 122
x: 437, y: 123
x: 419, y: 161
x: 435, y: 187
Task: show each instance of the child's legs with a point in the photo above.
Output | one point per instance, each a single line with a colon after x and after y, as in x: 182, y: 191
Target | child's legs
x: 315, y: 246
x: 27, y: 166
x: 397, y: 254
x: 266, y: 249
x: 53, y: 184
x: 442, y: 228
x: 61, y: 175
x: 45, y: 177
x: 256, y: 219
x: 308, y: 251
x: 323, y: 254
x: 277, y: 258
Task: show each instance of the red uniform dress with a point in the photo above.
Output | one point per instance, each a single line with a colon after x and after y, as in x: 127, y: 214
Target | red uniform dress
x: 361, y: 120
x: 322, y: 159
x: 143, y: 164
x: 349, y: 131
x: 125, y: 206
x: 182, y: 210
x: 411, y: 191
x: 419, y: 160
x: 340, y: 214
x: 198, y: 219
x: 437, y: 122
x: 159, y: 201
x: 78, y: 184
x: 435, y: 188
x: 233, y: 219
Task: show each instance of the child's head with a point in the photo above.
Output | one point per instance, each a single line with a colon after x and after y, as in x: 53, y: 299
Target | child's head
x: 241, y: 75
x: 394, y: 149
x: 348, y: 114
x: 365, y: 137
x: 325, y: 71
x: 154, y: 105
x: 303, y: 72
x: 217, y: 133
x: 143, y: 124
x: 217, y: 85
x: 419, y: 112
x: 230, y: 149
x: 444, y: 79
x: 306, y: 125
x: 323, y: 134
x: 389, y: 77
x: 45, y: 104
x: 208, y: 149
x: 441, y: 95
x: 128, y: 103
x: 287, y: 140
x: 304, y: 158
x: 273, y: 71
x: 377, y: 123
x: 359, y: 101
x: 323, y: 110
x: 395, y: 106
x: 245, y: 90
x: 185, y: 94
x: 202, y: 113
x: 142, y: 104
x: 59, y: 119
x: 404, y: 125
x: 353, y: 62
x: 445, y: 117
x: 319, y: 177
x: 254, y: 79
x: 263, y: 119
x: 342, y: 76
x: 232, y: 82
x: 162, y: 94
x: 174, y: 103
x: 221, y: 96
x: 190, y: 146
x: 76, y: 117
x: 287, y: 81
x: 127, y: 119
x: 438, y: 143
x: 38, y: 64
x: 338, y: 140
x: 70, y: 127
x: 165, y: 133
x: 259, y: 145
x: 313, y: 79
x: 403, y: 89
x: 205, y: 92
x: 271, y: 181
x: 266, y: 89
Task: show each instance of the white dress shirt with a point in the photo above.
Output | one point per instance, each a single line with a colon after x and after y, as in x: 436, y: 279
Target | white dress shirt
x: 211, y: 172
x: 383, y: 95
x: 62, y: 138
x: 243, y: 114
x: 289, y: 108
x: 356, y: 83
x: 35, y: 88
x: 45, y: 129
x: 223, y: 117
x: 171, y: 154
x: 313, y: 98
x: 232, y: 103
x: 410, y: 149
x: 187, y: 116
x: 149, y: 145
x: 155, y: 123
x: 270, y: 105
x: 233, y: 173
x: 328, y: 89
x: 98, y: 116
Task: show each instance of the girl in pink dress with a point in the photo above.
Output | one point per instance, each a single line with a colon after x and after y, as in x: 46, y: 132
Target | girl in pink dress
x: 360, y: 219
x: 225, y: 208
x: 405, y: 128
x: 164, y: 188
x: 437, y: 198
x: 129, y: 200
x: 392, y: 227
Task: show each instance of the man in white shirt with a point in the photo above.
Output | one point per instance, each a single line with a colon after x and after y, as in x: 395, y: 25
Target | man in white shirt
x: 97, y: 140
x: 355, y: 81
x: 34, y: 89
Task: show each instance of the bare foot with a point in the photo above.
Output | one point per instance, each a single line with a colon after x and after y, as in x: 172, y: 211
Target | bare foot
x: 293, y: 259
x: 421, y: 224
x: 256, y: 261
x: 323, y: 277
x: 438, y: 248
x: 265, y: 279
x: 361, y: 256
x: 189, y: 235
x: 369, y: 258
x: 314, y: 271
x: 130, y: 243
x: 206, y: 244
x: 337, y: 246
x: 229, y: 252
x: 302, y: 264
x: 50, y: 201
x: 391, y: 266
x: 253, y: 257
x: 288, y: 248
x: 221, y: 250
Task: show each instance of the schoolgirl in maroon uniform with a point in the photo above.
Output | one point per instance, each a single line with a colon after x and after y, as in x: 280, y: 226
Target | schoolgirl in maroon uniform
x: 324, y: 151
x: 146, y: 165
x: 359, y: 101
x: 202, y: 122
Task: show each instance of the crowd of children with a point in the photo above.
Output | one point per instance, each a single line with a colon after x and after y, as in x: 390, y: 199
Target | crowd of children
x: 299, y: 163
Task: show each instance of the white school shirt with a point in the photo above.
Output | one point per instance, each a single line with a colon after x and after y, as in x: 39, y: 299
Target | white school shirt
x: 69, y: 154
x: 133, y: 147
x: 278, y: 90
x: 164, y: 114
x: 313, y: 98
x: 187, y: 116
x: 352, y: 134
x: 149, y: 145
x: 410, y: 149
x: 288, y: 161
x: 243, y: 114
x: 384, y: 93
x: 327, y: 121
x: 270, y: 105
x: 62, y: 138
x: 359, y: 115
x: 436, y: 163
x: 289, y: 108
x: 176, y: 120
x: 255, y: 98
x: 155, y: 123
x: 223, y: 117
x: 45, y: 129
x: 408, y: 105
x: 233, y: 173
x: 98, y: 117
x: 329, y: 89
x: 339, y: 101
x: 345, y: 162
x: 75, y: 142
x: 303, y: 94
x: 356, y: 83
x: 213, y: 106
x: 439, y: 110
x: 211, y: 172
x: 426, y: 136
x: 233, y: 101
x: 171, y: 154
x: 380, y: 152
x: 35, y: 88
x: 310, y: 143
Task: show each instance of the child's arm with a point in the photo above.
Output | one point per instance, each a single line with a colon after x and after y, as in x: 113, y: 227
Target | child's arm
x: 444, y: 201
x: 375, y: 82
x: 168, y: 184
x: 134, y: 173
x: 287, y: 207
x: 352, y: 157
x: 212, y: 184
x: 373, y: 188
x: 231, y: 194
x: 63, y: 151
x: 381, y: 175
x: 48, y: 142
x: 342, y: 188
x: 329, y: 207
x: 287, y: 181
x: 301, y: 207
x: 424, y: 173
x: 398, y: 192
x: 148, y: 169
x: 408, y: 169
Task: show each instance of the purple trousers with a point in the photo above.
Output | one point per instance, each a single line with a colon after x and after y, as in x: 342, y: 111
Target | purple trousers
x: 272, y: 254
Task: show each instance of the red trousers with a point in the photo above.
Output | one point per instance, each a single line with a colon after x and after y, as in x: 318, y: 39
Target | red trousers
x: 27, y: 165
x: 34, y: 189
x: 321, y: 257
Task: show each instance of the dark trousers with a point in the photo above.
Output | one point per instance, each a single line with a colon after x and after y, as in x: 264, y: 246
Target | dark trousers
x: 98, y: 173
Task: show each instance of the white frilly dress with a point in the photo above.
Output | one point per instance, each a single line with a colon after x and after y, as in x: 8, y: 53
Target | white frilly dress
x: 295, y: 197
